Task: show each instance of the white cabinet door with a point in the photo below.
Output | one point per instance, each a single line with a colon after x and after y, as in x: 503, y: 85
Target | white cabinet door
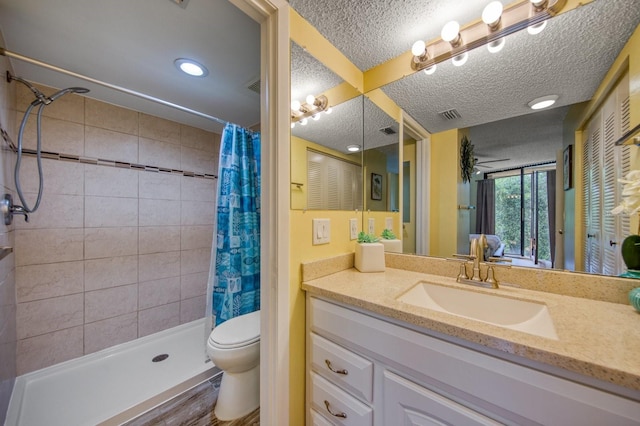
x: 406, y: 403
x: 338, y: 405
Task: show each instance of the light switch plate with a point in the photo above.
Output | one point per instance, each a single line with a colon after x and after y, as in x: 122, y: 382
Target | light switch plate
x: 388, y: 223
x: 353, y: 228
x: 372, y: 225
x: 321, y: 231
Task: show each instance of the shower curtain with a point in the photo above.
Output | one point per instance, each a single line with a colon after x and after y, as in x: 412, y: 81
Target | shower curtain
x: 234, y: 275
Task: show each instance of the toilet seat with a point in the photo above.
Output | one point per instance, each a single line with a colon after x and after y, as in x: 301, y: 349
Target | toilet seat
x: 236, y: 332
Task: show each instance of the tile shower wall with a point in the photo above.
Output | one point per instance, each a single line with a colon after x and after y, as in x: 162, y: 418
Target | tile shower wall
x: 7, y: 265
x: 113, y: 253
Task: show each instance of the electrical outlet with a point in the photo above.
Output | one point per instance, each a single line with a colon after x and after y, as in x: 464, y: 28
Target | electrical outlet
x: 388, y: 223
x: 321, y: 231
x: 353, y: 228
x: 372, y: 225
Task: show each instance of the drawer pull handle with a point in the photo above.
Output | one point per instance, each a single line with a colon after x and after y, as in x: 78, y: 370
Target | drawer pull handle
x: 343, y: 371
x: 341, y: 415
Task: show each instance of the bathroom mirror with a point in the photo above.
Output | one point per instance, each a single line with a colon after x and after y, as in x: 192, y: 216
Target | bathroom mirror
x: 380, y: 157
x: 488, y: 96
x: 326, y: 147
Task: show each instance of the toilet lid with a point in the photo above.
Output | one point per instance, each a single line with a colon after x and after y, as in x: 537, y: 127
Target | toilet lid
x: 239, y: 331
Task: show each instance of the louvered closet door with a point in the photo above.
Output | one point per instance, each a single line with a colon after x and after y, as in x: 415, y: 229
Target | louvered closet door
x: 593, y: 195
x: 611, y: 126
x: 623, y: 223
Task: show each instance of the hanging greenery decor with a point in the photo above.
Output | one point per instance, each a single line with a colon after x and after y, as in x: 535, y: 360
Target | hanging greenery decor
x: 467, y: 160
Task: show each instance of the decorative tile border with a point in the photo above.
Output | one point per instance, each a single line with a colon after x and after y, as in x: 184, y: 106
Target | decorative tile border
x: 101, y: 161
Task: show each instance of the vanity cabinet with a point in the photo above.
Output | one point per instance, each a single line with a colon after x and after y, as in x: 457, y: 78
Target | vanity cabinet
x: 377, y: 371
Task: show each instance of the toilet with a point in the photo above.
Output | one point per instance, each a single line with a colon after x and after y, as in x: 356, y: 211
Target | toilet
x: 234, y: 347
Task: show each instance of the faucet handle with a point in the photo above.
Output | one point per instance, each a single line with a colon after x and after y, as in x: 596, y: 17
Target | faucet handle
x: 491, y: 278
x: 493, y: 259
x: 463, y: 273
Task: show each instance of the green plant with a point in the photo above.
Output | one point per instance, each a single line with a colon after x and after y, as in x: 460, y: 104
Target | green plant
x: 388, y: 234
x: 367, y: 238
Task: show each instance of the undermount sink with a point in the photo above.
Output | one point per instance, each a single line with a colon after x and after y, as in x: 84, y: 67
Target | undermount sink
x: 515, y: 314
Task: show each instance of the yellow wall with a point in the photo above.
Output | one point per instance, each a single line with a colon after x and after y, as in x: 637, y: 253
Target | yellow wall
x: 409, y: 228
x: 302, y: 250
x: 445, y: 176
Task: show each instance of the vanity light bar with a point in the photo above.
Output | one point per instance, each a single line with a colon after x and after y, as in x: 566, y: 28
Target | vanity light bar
x: 306, y: 110
x: 514, y: 18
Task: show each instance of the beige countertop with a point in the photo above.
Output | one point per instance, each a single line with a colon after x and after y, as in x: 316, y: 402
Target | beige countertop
x: 596, y: 339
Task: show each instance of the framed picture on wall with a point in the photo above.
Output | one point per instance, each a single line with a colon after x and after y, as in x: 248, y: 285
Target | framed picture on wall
x: 567, y: 167
x: 376, y: 186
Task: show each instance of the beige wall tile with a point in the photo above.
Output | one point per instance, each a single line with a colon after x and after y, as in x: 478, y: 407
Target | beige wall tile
x: 159, y: 318
x: 69, y: 107
x: 51, y: 348
x: 111, y: 117
x: 110, y: 272
x: 55, y: 211
x: 110, y: 211
x: 160, y: 186
x: 197, y: 213
x: 111, y: 181
x: 195, y: 160
x: 158, y: 292
x: 44, y: 316
x: 159, y: 154
x: 113, y: 331
x: 193, y: 285
x: 196, y: 260
x: 110, y: 302
x: 159, y: 265
x: 192, y: 137
x: 110, y: 145
x: 192, y: 309
x: 196, y: 236
x: 37, y: 282
x: 34, y: 246
x: 159, y: 129
x: 198, y: 189
x: 60, y: 177
x: 158, y: 239
x: 110, y: 242
x: 159, y: 212
x: 57, y: 136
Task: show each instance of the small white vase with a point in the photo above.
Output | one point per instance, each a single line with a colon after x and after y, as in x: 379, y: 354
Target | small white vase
x: 392, y: 246
x: 369, y: 257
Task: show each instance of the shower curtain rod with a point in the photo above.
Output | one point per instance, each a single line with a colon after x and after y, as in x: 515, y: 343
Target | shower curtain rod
x: 10, y: 54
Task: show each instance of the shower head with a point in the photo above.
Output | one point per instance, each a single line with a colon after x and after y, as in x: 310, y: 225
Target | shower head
x: 65, y: 91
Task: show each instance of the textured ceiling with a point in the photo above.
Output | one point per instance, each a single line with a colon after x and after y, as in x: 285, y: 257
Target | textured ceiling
x: 133, y: 44
x: 569, y: 59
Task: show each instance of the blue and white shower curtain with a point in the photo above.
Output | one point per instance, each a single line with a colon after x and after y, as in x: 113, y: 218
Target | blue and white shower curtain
x: 234, y: 275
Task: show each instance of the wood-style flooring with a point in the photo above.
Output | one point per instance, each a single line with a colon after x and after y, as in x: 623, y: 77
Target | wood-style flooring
x: 193, y: 408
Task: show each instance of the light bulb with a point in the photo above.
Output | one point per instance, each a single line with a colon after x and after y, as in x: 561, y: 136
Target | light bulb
x: 295, y: 105
x: 329, y: 110
x: 430, y: 70
x: 450, y: 32
x: 496, y: 45
x: 418, y: 48
x: 310, y: 99
x: 353, y: 148
x: 460, y: 59
x: 303, y: 122
x: 538, y: 3
x: 492, y: 13
x: 315, y: 117
x: 537, y: 28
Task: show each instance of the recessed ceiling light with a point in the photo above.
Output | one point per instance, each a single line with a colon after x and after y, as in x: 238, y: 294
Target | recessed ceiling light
x: 191, y: 67
x: 543, y: 102
x: 353, y: 148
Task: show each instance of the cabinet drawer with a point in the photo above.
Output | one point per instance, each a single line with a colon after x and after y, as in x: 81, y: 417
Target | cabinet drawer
x: 337, y: 404
x: 343, y: 367
x: 408, y: 403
